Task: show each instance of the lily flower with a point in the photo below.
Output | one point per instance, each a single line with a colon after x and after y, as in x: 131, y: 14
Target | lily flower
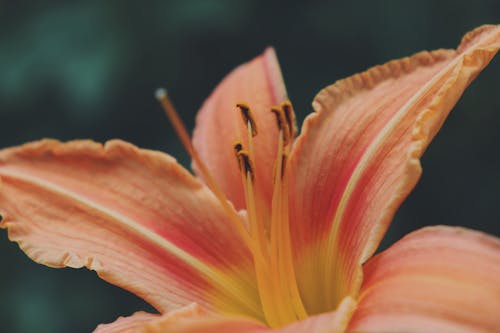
x: 276, y: 232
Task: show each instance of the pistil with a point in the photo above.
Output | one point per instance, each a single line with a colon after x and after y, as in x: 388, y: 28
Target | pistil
x: 162, y: 96
x: 268, y: 241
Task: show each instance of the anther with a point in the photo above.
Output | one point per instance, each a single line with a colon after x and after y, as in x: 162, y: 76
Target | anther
x: 290, y: 117
x: 247, y: 116
x: 162, y: 96
x: 282, y: 123
x: 284, y: 159
x: 237, y: 146
x: 246, y: 163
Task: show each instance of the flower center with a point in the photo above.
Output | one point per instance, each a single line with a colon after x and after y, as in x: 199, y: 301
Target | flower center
x: 267, y: 237
x: 271, y: 243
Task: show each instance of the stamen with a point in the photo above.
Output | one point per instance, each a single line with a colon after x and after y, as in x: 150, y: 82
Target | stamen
x: 276, y: 200
x: 287, y: 108
x: 246, y: 164
x: 162, y: 96
x: 249, y: 121
x: 282, y: 123
x: 246, y: 113
x: 284, y: 159
x: 237, y: 146
x: 287, y: 259
x: 263, y: 270
x: 281, y: 249
x: 272, y: 252
x: 257, y: 229
x: 280, y: 163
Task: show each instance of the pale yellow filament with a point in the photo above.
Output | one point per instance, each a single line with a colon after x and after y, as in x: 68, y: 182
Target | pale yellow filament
x: 279, y: 293
x: 250, y: 141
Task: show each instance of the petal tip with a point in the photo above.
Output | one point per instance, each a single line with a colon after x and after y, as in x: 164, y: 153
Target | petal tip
x: 472, y: 35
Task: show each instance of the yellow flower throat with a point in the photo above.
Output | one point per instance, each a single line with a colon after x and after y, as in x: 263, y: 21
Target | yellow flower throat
x: 266, y: 235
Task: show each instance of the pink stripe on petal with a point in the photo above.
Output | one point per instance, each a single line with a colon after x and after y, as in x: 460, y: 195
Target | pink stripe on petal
x: 358, y: 158
x: 135, y: 216
x: 437, y: 279
x: 219, y: 124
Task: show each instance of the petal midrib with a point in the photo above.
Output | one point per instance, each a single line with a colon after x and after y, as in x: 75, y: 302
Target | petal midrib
x: 369, y: 152
x: 373, y: 147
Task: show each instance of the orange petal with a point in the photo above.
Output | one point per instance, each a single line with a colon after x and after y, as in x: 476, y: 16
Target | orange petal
x: 135, y: 216
x: 193, y: 319
x: 436, y: 279
x: 219, y: 124
x: 358, y: 158
x: 130, y: 324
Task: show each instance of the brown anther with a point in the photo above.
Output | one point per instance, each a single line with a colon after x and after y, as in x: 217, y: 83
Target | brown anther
x: 246, y: 164
x: 282, y: 123
x: 237, y: 146
x: 290, y: 118
x: 284, y: 159
x: 246, y: 113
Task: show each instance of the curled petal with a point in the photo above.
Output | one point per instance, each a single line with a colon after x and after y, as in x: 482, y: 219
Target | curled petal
x: 194, y: 318
x: 130, y: 324
x: 358, y: 158
x: 134, y: 216
x: 437, y: 279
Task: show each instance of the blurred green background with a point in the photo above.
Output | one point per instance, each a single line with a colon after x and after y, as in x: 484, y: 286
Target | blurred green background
x: 89, y: 70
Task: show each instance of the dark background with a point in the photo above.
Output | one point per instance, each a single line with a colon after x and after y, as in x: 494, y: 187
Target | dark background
x: 89, y: 70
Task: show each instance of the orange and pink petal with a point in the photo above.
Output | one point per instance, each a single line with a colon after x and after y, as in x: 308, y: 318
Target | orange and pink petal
x: 131, y: 324
x: 135, y: 216
x: 436, y: 279
x: 194, y: 319
x: 358, y: 158
x: 219, y: 124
